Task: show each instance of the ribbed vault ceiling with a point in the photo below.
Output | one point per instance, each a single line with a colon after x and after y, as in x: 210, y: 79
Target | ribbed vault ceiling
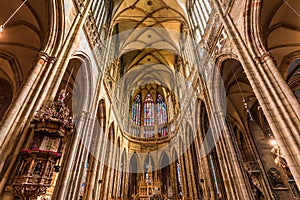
x: 282, y: 28
x: 237, y: 87
x: 150, y: 37
x: 23, y: 37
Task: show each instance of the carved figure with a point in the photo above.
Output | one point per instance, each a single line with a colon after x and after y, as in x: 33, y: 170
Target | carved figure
x: 276, y: 178
x: 280, y: 161
x: 62, y: 95
x: 38, y: 168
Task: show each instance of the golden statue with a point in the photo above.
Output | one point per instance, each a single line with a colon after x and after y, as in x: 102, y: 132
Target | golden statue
x: 280, y: 161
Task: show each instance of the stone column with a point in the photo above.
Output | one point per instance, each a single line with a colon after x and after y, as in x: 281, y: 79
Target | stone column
x: 236, y: 164
x: 82, y: 155
x: 226, y: 171
x: 116, y: 179
x: 22, y: 97
x: 173, y: 180
x: 204, y: 166
x: 194, y: 194
x: 189, y: 173
x: 102, y: 189
x: 77, y: 25
x: 106, y: 181
x: 101, y: 170
x: 90, y: 183
x: 183, y: 177
x: 283, y: 114
x: 228, y: 161
x: 207, y: 180
x: 125, y: 184
x: 112, y: 173
x: 93, y: 173
x: 279, y: 106
x: 72, y: 168
x: 231, y: 164
x: 21, y: 110
x: 105, y: 156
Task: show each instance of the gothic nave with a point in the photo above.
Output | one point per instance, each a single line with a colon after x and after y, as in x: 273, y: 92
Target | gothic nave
x: 150, y: 99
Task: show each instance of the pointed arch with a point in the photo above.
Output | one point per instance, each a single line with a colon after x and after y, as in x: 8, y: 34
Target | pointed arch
x: 136, y: 109
x: 149, y: 110
x: 133, y: 175
x: 165, y: 172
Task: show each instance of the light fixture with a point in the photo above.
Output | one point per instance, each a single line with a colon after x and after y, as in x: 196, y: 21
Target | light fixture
x: 2, y: 26
x: 244, y: 100
x: 273, y: 142
x: 247, y: 109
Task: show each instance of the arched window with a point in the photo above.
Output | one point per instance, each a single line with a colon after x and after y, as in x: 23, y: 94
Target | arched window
x: 154, y: 115
x: 100, y: 13
x: 149, y: 111
x: 136, y: 110
x: 214, y: 174
x: 162, y: 115
x: 178, y: 178
x: 161, y: 110
x: 199, y: 16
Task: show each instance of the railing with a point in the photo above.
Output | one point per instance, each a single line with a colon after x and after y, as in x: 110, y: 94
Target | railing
x: 148, y: 133
x: 252, y: 167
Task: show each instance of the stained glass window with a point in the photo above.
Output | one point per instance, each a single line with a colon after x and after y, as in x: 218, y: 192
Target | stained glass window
x: 161, y: 110
x: 154, y: 114
x: 178, y: 178
x: 84, y: 178
x: 149, y: 133
x: 135, y: 131
x: 136, y: 110
x: 149, y: 111
x: 214, y: 173
x: 162, y: 115
x: 200, y: 11
x: 163, y: 131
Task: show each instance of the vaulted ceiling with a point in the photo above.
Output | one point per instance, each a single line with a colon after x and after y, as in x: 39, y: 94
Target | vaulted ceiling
x: 237, y: 87
x: 21, y: 40
x: 149, y: 34
x: 281, y: 27
x: 146, y: 48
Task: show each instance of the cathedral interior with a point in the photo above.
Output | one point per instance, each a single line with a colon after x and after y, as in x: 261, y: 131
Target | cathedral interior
x: 150, y: 99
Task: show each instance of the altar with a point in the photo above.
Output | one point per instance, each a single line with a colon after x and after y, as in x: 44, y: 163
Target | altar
x: 149, y: 185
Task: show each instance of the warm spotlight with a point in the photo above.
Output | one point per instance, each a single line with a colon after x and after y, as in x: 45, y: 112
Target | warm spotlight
x: 1, y: 28
x: 273, y: 142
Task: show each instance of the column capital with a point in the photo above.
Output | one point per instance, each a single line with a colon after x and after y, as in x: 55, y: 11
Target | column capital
x: 263, y: 58
x: 44, y: 57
